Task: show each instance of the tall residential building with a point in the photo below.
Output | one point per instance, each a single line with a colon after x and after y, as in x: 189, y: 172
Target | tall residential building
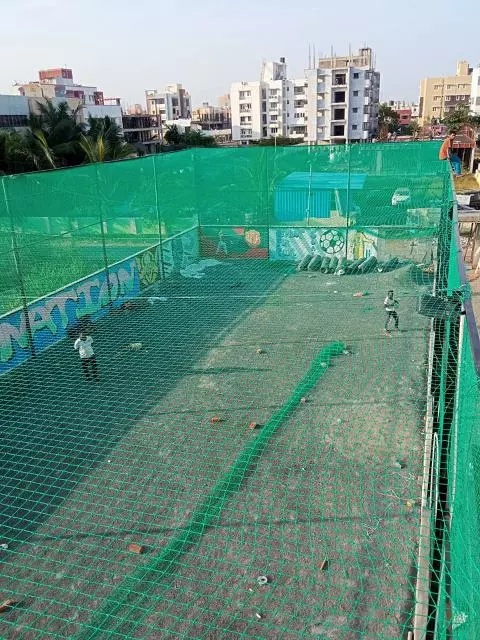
x: 58, y: 83
x: 172, y: 104
x: 336, y: 101
x: 439, y: 96
x: 475, y: 91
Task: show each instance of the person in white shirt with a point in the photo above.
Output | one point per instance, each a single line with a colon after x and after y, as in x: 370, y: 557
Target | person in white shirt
x: 83, y: 345
x: 390, y: 303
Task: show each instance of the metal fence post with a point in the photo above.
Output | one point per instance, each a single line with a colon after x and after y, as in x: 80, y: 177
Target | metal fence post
x: 18, y: 271
x: 157, y: 208
x: 104, y: 246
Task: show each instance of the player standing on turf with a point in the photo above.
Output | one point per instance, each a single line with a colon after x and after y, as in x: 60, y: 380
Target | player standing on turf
x: 83, y: 345
x: 390, y: 303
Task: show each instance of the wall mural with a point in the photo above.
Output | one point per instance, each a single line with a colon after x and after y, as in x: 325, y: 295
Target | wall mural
x: 233, y: 242
x: 52, y: 317
x: 294, y: 243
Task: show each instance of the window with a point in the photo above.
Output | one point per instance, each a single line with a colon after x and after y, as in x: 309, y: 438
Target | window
x: 264, y: 118
x: 297, y: 90
x: 273, y: 118
x: 245, y: 132
x: 338, y: 97
x: 435, y: 109
x: 339, y: 114
x: 338, y: 130
x: 264, y: 132
x: 435, y: 98
x: 245, y: 94
x: 264, y: 94
x: 355, y: 110
x: 274, y: 129
x: 355, y: 94
x: 245, y: 107
x: 450, y: 86
x: 356, y: 76
x: 264, y: 106
x: 273, y: 93
x: 274, y: 106
x: 354, y: 127
x: 365, y: 126
x: 437, y: 87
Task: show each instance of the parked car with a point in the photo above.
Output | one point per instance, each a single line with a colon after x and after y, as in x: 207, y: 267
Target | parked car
x: 401, y: 197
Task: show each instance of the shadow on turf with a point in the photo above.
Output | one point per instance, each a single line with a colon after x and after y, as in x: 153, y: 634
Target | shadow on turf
x: 56, y: 427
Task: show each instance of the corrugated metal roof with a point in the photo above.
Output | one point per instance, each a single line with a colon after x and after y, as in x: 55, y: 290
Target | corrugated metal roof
x: 320, y: 181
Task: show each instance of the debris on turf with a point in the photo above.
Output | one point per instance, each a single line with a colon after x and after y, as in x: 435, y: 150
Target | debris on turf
x: 324, y: 565
x: 259, y: 615
x: 216, y: 419
x: 304, y: 400
x: 135, y: 346
x: 6, y: 605
x: 262, y: 580
x: 253, y: 425
x: 360, y: 294
x: 410, y: 504
x: 259, y: 351
x: 4, y: 546
x: 136, y: 548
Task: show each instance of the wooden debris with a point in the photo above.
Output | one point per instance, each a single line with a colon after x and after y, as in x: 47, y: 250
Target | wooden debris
x: 324, y: 565
x: 6, y: 605
x: 136, y: 548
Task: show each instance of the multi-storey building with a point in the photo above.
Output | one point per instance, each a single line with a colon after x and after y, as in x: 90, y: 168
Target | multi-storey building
x: 440, y: 95
x: 58, y: 83
x: 336, y: 101
x: 475, y: 91
x: 172, y: 104
x: 407, y: 111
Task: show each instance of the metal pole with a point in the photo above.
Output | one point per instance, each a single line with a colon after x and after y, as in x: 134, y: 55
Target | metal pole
x: 160, y: 240
x: 104, y: 246
x: 348, y: 198
x: 18, y: 271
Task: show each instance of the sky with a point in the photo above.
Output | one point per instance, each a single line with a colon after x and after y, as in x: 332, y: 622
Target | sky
x: 127, y: 46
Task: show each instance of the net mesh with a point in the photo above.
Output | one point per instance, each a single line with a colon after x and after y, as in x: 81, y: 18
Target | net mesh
x: 255, y: 450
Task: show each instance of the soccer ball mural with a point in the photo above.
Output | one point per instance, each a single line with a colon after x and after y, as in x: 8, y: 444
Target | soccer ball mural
x: 332, y: 241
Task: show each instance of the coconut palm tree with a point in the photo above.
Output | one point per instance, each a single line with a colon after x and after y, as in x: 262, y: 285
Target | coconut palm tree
x: 104, y: 141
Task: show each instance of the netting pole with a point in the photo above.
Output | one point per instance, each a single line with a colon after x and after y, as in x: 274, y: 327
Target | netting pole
x: 104, y: 245
x: 349, y: 166
x: 159, y: 222
x: 18, y: 271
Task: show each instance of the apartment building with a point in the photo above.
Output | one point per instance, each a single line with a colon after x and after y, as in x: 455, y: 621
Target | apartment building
x: 336, y: 101
x: 59, y: 83
x: 407, y: 111
x: 475, y: 91
x: 174, y: 103
x: 440, y: 95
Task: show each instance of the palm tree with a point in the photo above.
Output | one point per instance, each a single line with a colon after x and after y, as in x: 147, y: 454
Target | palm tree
x: 104, y: 141
x: 15, y: 154
x: 54, y: 136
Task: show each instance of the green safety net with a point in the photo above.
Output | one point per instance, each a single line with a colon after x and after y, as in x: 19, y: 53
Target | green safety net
x: 252, y: 454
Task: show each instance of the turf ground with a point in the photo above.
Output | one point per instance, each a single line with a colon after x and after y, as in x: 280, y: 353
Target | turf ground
x: 328, y: 510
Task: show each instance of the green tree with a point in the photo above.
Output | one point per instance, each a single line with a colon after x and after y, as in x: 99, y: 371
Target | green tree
x: 104, y: 141
x: 54, y: 136
x: 15, y: 154
x: 193, y: 138
x: 461, y: 115
x: 387, y: 119
x: 173, y: 135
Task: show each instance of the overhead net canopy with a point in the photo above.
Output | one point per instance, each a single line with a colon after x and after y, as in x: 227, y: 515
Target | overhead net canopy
x: 268, y: 444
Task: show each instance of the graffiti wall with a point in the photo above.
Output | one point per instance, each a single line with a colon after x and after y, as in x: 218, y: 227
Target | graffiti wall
x: 52, y: 317
x: 293, y: 243
x: 180, y: 251
x: 234, y: 242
